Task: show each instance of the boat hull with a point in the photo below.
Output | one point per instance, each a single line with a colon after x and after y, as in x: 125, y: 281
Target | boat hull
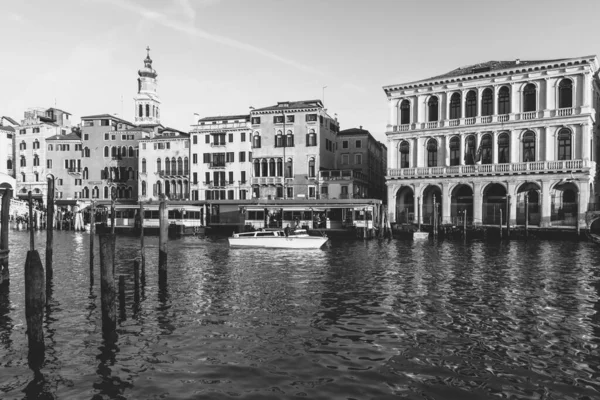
x: 306, y: 242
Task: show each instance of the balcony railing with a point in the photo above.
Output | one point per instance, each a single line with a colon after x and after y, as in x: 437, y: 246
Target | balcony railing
x: 268, y: 180
x: 175, y: 172
x: 490, y: 169
x: 342, y: 174
x: 217, y: 165
x: 223, y: 144
x: 74, y: 170
x: 486, y: 119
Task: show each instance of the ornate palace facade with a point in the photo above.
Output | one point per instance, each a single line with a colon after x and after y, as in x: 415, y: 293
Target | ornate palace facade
x: 500, y: 133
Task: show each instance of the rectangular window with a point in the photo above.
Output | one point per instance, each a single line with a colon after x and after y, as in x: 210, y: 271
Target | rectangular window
x: 230, y: 138
x: 207, y: 178
x: 22, y: 131
x: 195, y: 139
x: 86, y: 136
x: 107, y: 136
x: 358, y: 159
x: 230, y: 195
x: 195, y: 176
x: 194, y: 158
x: 278, y: 119
x: 36, y: 130
x: 242, y: 156
x: 49, y: 164
x: 311, y: 117
x: 243, y: 136
x: 206, y: 158
x: 345, y: 144
x: 344, y: 158
x: 113, y: 137
x: 123, y: 137
x: 311, y: 192
x: 207, y: 139
x: 290, y: 192
x: 230, y: 157
x: 231, y: 177
x: 66, y: 164
x: 104, y: 122
x: 255, y: 120
x: 289, y: 119
x: 243, y: 177
x: 358, y: 144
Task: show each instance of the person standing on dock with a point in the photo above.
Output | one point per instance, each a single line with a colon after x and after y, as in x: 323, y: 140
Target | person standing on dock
x: 287, y: 230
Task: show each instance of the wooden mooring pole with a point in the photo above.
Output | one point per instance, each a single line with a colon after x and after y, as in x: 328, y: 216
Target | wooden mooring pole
x: 122, y: 312
x: 508, y: 217
x: 107, y: 283
x: 465, y: 224
x: 136, y: 281
x: 142, y: 246
x: 419, y: 212
x: 500, y: 224
x: 526, y: 214
x: 4, y: 227
x: 163, y: 240
x: 92, y: 234
x: 49, y: 228
x: 35, y: 298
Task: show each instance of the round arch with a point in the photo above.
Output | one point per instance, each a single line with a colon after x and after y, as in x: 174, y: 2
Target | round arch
x: 405, y: 205
x: 494, y: 204
x: 461, y: 205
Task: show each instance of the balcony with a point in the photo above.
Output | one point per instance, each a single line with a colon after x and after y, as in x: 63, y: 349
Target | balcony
x: 343, y: 174
x: 217, y: 165
x: 490, y: 169
x: 173, y: 173
x: 268, y: 180
x: 481, y: 120
x: 74, y: 171
x: 219, y: 144
x: 218, y: 184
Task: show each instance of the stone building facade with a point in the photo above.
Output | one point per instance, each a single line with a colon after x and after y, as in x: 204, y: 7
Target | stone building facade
x: 291, y: 143
x: 63, y: 161
x: 479, y: 138
x: 221, y: 157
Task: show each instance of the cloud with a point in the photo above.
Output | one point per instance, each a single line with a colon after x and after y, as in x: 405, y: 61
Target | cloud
x: 189, y: 29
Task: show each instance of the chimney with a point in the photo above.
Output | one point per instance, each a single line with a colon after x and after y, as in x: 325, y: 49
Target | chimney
x: 360, y: 127
x: 518, y: 61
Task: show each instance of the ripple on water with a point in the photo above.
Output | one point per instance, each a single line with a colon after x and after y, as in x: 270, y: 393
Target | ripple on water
x: 353, y: 320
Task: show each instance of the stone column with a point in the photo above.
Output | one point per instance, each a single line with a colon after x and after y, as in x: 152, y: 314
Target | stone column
x: 512, y: 192
x: 446, y: 203
x: 393, y: 153
x: 494, y: 147
x: 393, y: 120
x: 586, y: 90
x: 514, y: 147
x: 583, y: 200
x: 549, y: 99
x: 462, y: 149
x: 463, y: 103
x: 391, y: 195
x: 549, y: 141
x: 446, y: 150
x: 477, y: 203
x: 515, y: 104
x: 420, y: 152
x: 447, y: 96
x: 546, y: 203
x: 585, y: 141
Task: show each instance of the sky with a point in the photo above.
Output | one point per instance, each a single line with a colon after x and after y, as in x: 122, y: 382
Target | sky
x: 221, y: 57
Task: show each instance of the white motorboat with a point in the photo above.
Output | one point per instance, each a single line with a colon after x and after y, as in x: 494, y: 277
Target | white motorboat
x: 277, y: 239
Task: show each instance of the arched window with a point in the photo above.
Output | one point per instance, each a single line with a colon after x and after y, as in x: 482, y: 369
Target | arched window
x: 143, y: 165
x: 470, y: 150
x: 36, y: 160
x: 565, y: 94
x: 106, y: 151
x: 36, y: 176
x: 404, y: 154
x: 256, y: 141
x: 167, y: 166
x: 564, y: 144
x: 36, y: 144
x: 124, y: 151
x: 311, y: 168
x: 529, y: 146
x: 159, y: 187
x: 289, y: 168
x: 131, y: 152
x: 279, y: 167
x: 503, y: 148
x: 471, y: 104
x: 23, y: 146
x: 486, y: 149
x: 279, y: 139
x: 179, y: 166
x: 85, y: 173
x: 271, y: 167
x: 85, y: 193
x: 256, y: 168
x: 147, y: 110
x: 455, y: 106
x: 23, y: 178
x: 405, y: 112
x: 86, y: 152
x: 432, y: 109
x: 265, y: 168
x: 23, y: 162
x: 186, y: 189
x: 173, y: 166
x: 9, y: 164
x: 130, y: 174
x: 153, y: 110
x: 311, y: 138
x: 49, y: 147
x: 529, y: 98
x: 487, y: 102
x: 455, y: 151
x: 158, y: 165
x: 106, y: 192
x: 504, y: 100
x: 114, y: 151
x: 432, y: 150
x: 95, y: 192
x: 290, y: 139
x: 140, y: 111
x: 186, y: 166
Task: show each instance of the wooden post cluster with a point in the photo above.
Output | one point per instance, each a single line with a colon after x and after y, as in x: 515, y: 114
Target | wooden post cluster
x: 163, y: 242
x: 4, y: 226
x: 49, y: 227
x: 35, y: 296
x: 107, y: 283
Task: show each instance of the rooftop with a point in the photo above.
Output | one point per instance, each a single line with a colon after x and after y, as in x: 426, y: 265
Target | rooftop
x: 70, y: 136
x: 353, y: 131
x: 107, y: 116
x: 282, y: 105
x: 245, y: 117
x: 7, y: 128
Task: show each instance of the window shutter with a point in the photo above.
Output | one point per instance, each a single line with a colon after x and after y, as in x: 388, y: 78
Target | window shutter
x: 307, y: 139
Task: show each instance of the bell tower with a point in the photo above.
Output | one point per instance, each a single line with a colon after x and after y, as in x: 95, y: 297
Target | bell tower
x: 147, y: 102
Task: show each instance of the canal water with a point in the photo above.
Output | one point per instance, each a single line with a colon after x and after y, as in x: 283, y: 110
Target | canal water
x: 354, y: 320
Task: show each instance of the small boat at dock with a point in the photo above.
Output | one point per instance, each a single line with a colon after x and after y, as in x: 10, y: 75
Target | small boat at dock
x: 277, y: 239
